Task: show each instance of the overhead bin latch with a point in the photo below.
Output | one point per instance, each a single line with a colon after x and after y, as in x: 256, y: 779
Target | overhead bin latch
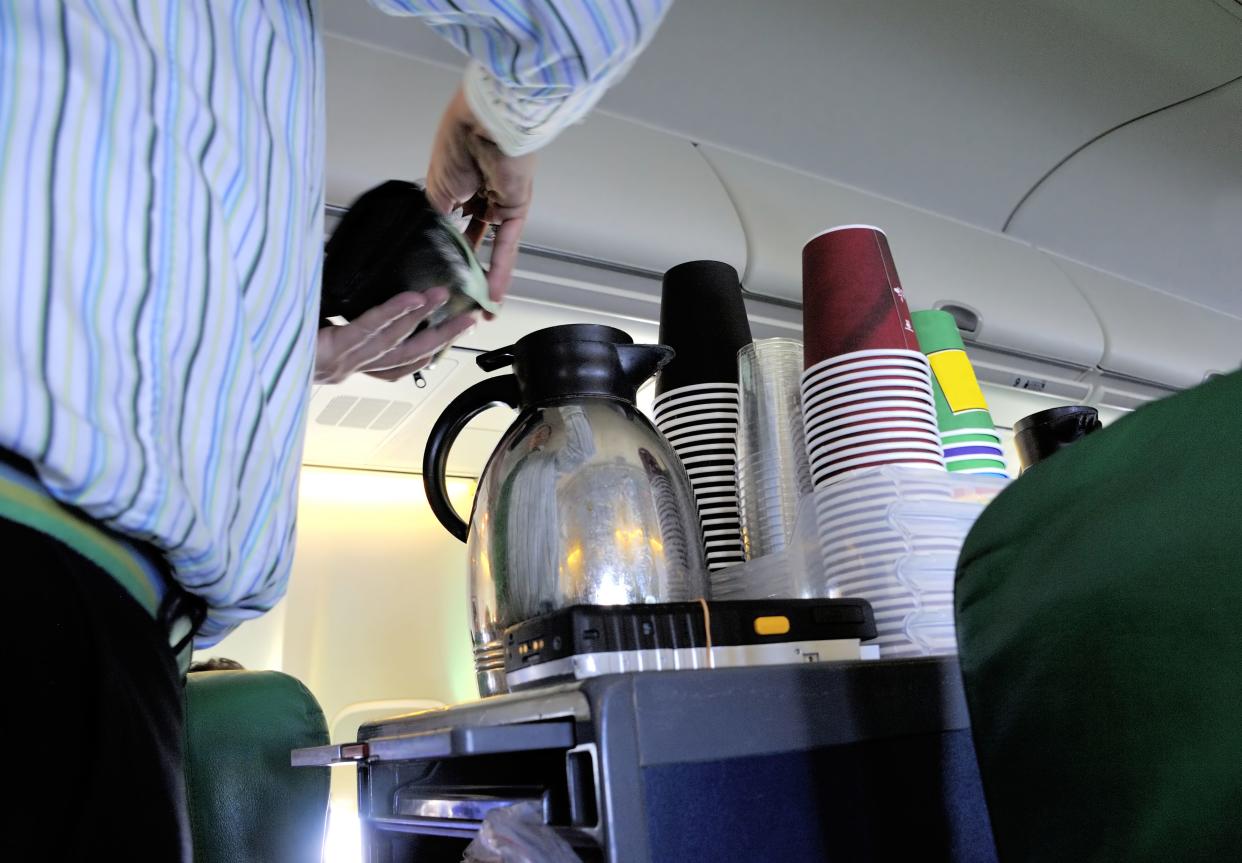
x: 967, y: 319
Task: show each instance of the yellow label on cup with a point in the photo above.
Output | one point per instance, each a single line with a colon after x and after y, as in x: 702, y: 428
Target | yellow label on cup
x: 957, y: 381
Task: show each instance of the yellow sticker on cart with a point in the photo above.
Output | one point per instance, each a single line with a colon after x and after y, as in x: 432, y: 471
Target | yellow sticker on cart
x: 957, y: 381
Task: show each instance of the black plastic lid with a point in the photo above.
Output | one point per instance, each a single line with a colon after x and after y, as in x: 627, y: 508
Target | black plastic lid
x: 703, y: 319
x: 578, y: 360
x: 1041, y: 434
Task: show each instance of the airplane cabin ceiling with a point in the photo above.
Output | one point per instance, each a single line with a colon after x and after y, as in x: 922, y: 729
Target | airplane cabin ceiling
x: 962, y: 106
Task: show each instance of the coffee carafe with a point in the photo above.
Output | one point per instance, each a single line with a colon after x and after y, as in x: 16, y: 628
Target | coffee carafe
x: 582, y: 502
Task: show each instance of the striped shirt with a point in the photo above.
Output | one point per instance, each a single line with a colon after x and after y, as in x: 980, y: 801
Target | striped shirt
x: 538, y: 65
x: 161, y: 227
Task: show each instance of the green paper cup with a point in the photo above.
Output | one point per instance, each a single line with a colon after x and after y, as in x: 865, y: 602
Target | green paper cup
x: 959, y: 400
x: 950, y: 421
x: 976, y: 464
x: 962, y: 436
x: 937, y: 331
x: 986, y: 440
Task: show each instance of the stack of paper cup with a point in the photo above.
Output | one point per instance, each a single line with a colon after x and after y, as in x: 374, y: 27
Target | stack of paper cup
x: 890, y: 535
x: 967, y: 433
x: 701, y: 424
x: 868, y: 552
x: 703, y: 318
x: 867, y: 396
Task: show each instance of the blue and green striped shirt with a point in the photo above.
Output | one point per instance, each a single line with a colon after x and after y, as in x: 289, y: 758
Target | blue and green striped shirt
x: 161, y: 227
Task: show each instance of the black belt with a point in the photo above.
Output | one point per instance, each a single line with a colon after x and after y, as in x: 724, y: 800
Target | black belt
x: 147, y: 577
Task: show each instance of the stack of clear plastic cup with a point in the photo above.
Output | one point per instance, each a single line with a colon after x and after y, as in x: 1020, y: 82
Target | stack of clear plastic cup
x: 773, y: 472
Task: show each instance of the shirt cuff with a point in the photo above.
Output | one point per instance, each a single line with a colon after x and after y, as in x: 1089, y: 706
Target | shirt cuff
x: 519, y: 126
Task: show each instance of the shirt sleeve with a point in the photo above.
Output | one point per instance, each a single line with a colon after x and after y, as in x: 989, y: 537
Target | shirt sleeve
x: 536, y: 66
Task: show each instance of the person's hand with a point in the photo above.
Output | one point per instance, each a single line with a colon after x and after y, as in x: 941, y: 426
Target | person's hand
x: 378, y: 342
x: 468, y: 170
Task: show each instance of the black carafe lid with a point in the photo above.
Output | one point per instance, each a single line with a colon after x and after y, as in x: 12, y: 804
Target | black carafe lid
x: 578, y: 360
x: 1041, y: 434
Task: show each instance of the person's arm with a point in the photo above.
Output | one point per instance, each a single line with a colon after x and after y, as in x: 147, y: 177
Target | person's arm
x: 536, y: 66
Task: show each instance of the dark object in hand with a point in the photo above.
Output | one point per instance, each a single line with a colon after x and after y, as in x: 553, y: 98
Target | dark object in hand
x: 391, y: 240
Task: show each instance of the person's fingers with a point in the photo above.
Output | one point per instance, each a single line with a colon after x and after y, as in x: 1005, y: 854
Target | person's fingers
x: 422, y: 345
x: 468, y: 170
x: 335, y: 345
x: 379, y: 329
x: 376, y: 319
x: 504, y: 257
x: 340, y: 351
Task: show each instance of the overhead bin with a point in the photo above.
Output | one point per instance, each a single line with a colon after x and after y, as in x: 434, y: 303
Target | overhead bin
x: 1157, y: 202
x: 1020, y: 301
x: 607, y: 190
x: 1153, y: 336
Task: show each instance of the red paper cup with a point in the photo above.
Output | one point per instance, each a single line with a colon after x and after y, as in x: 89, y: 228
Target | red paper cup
x: 853, y: 373
x: 829, y: 436
x: 827, y: 476
x: 867, y: 359
x: 829, y: 428
x: 914, y: 449
x: 837, y: 450
x: 910, y: 399
x: 852, y: 299
x: 884, y: 373
x: 815, y: 393
x: 824, y: 447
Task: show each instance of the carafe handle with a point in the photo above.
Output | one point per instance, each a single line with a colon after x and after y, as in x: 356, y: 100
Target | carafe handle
x: 493, y: 392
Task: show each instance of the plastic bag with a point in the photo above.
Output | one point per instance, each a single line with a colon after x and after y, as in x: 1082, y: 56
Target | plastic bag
x: 517, y: 834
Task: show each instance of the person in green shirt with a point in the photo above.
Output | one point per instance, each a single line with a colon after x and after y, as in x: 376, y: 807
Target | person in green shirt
x: 1099, y: 616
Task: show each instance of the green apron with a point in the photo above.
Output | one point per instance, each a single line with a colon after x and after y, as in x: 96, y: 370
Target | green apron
x: 1099, y: 620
